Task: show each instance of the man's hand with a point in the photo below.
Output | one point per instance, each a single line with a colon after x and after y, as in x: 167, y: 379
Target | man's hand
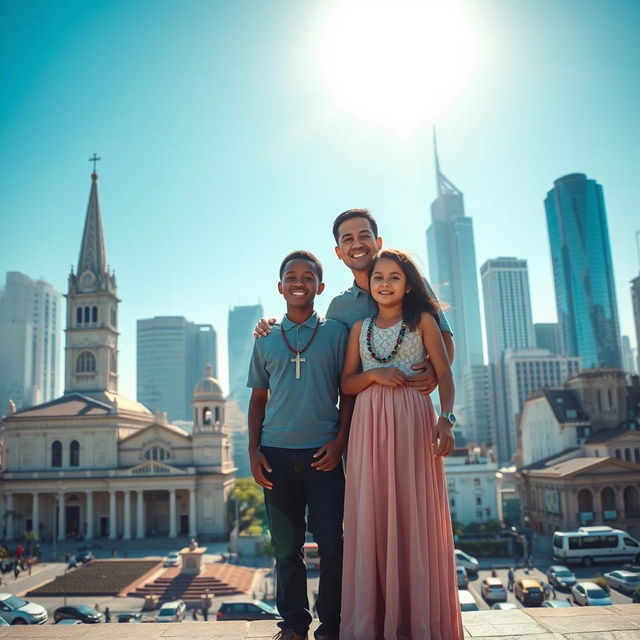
x: 425, y: 381
x: 388, y: 376
x: 329, y: 455
x: 259, y: 462
x: 443, y: 438
x: 263, y: 328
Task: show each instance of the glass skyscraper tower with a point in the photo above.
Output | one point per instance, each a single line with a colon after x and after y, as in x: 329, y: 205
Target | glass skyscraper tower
x: 582, y: 271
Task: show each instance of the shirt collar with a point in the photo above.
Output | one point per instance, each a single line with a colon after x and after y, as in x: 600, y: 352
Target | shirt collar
x: 356, y: 291
x: 310, y: 322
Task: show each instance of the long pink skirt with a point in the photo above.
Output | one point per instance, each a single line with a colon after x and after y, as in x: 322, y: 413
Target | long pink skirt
x: 399, y: 580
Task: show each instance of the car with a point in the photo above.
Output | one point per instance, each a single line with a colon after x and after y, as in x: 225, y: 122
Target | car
x: 504, y: 606
x: 129, y: 616
x: 247, y: 610
x: 85, y: 556
x: 561, y: 577
x: 16, y: 610
x: 3, y: 623
x: 467, y: 601
x: 463, y: 578
x: 590, y: 594
x: 493, y: 590
x: 173, y: 559
x: 68, y: 621
x: 557, y: 604
x: 622, y: 580
x: 635, y: 598
x: 470, y: 563
x: 528, y: 591
x: 173, y: 611
x: 82, y: 612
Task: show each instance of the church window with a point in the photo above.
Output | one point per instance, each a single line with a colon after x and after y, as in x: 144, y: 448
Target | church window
x: 56, y: 454
x: 206, y: 416
x: 79, y: 315
x: 94, y: 314
x: 86, y: 362
x: 156, y: 453
x: 74, y: 454
x: 113, y: 317
x: 217, y: 414
x: 87, y: 313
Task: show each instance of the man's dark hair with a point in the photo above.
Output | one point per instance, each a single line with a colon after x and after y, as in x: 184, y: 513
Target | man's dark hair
x: 354, y: 213
x: 302, y: 255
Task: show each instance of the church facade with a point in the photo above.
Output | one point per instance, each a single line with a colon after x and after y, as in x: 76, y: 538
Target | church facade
x: 94, y: 463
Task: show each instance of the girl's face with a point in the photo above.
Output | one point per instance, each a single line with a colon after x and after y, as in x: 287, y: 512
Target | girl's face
x: 388, y: 283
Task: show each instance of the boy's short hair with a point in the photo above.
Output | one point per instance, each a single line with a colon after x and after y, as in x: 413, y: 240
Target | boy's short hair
x: 302, y: 255
x: 354, y: 213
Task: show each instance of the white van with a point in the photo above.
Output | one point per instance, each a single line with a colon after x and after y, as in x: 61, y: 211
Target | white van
x: 467, y: 601
x: 594, y: 544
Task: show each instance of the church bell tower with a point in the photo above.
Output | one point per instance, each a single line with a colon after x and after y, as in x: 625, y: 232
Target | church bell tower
x: 91, y: 351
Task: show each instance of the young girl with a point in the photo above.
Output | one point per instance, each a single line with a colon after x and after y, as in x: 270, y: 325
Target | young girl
x: 399, y: 579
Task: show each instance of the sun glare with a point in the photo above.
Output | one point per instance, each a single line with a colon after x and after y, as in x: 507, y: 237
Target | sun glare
x: 396, y: 63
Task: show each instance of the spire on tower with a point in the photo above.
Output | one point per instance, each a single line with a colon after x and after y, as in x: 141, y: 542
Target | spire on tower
x: 443, y: 184
x: 93, y: 256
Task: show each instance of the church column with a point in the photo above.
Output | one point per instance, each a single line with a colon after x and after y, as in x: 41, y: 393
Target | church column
x: 35, y: 513
x: 140, y: 515
x: 113, y: 531
x: 62, y: 517
x: 127, y: 515
x: 89, y: 533
x: 193, y: 529
x: 9, y: 516
x: 173, y: 530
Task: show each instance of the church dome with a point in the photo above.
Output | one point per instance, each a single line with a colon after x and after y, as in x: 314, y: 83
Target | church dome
x: 208, y: 387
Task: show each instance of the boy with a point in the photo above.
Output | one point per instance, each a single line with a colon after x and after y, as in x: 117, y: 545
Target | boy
x: 296, y: 439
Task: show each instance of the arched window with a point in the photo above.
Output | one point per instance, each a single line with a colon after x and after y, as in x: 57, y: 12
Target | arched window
x: 86, y: 362
x: 74, y: 454
x: 156, y: 453
x: 94, y: 314
x: 87, y: 312
x: 56, y: 454
x: 585, y: 501
x: 79, y: 315
x: 206, y: 416
x: 217, y: 414
x: 627, y: 454
x: 618, y: 454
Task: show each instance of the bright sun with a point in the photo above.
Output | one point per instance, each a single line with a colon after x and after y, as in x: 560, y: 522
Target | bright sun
x: 397, y: 63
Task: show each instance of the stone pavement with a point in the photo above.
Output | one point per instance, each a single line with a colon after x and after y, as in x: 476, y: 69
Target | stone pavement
x: 617, y: 622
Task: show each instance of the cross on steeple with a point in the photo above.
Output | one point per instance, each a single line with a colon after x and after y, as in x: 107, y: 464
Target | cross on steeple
x: 94, y: 160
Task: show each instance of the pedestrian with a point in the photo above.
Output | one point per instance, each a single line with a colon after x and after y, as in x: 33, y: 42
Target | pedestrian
x: 548, y: 590
x: 194, y: 613
x: 19, y: 552
x: 205, y: 614
x: 107, y: 614
x: 29, y: 565
x: 16, y: 569
x: 511, y: 577
x: 494, y: 573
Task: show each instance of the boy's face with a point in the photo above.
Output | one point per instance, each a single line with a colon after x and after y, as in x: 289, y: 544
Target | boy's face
x: 357, y: 244
x: 300, y: 283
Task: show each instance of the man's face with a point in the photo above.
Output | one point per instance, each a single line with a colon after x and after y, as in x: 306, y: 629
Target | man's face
x: 300, y: 283
x: 357, y: 244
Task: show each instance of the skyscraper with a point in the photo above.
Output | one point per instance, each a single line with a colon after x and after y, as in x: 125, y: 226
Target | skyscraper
x: 242, y: 321
x: 172, y: 353
x: 507, y: 312
x: 628, y: 364
x: 548, y: 336
x: 582, y: 271
x: 452, y: 271
x: 30, y: 338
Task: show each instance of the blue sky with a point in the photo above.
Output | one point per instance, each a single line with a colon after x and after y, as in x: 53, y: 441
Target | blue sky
x: 224, y: 146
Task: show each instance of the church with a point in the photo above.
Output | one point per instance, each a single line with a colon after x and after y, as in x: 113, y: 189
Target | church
x: 95, y: 464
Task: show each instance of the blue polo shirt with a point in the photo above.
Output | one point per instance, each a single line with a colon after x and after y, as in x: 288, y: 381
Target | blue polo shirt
x: 355, y: 304
x: 301, y: 413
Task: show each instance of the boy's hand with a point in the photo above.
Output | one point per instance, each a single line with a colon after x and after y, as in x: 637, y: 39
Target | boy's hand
x: 389, y: 376
x: 443, y: 438
x: 425, y: 381
x: 259, y: 461
x: 330, y: 455
x: 263, y: 328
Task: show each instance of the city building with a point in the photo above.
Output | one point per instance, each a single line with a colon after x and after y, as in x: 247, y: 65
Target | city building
x: 507, y: 312
x: 583, y: 271
x: 93, y: 463
x: 628, y: 360
x: 471, y: 485
x: 30, y: 339
x: 548, y: 337
x: 579, y: 457
x: 453, y: 276
x: 172, y: 353
x: 635, y: 301
x: 477, y: 427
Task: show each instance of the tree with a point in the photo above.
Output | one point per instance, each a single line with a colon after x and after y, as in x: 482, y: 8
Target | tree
x: 250, y: 501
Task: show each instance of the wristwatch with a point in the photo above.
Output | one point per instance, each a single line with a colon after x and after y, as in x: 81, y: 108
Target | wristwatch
x: 450, y: 417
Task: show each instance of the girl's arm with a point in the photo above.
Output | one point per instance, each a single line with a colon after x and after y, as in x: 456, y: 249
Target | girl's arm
x: 354, y: 380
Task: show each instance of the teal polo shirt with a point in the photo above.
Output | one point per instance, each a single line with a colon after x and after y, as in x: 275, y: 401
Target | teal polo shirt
x: 301, y: 413
x: 355, y: 304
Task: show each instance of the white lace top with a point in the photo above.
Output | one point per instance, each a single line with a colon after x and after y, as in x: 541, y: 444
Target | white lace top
x: 384, y: 340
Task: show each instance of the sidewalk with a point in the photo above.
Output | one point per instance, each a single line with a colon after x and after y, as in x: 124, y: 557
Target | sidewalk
x: 41, y: 572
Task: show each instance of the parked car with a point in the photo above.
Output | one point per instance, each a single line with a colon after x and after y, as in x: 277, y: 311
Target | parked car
x: 590, y: 594
x: 173, y: 611
x: 173, y: 559
x: 561, y: 577
x: 15, y: 610
x: 528, y: 591
x: 68, y: 621
x: 85, y: 556
x: 467, y: 601
x: 504, y: 606
x: 622, y: 580
x: 3, y: 623
x: 130, y: 616
x: 470, y: 563
x: 493, y: 590
x: 247, y: 610
x: 557, y: 604
x: 635, y: 598
x: 463, y: 578
x: 82, y: 612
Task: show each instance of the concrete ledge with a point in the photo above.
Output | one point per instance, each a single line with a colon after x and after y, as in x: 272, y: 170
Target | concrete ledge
x: 617, y: 622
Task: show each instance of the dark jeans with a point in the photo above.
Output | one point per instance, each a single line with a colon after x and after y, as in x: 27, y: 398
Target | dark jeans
x: 296, y: 487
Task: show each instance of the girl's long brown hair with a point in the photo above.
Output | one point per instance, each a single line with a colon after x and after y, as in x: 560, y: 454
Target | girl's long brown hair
x: 418, y: 300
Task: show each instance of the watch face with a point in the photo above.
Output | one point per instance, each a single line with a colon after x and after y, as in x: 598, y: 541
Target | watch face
x: 87, y: 279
